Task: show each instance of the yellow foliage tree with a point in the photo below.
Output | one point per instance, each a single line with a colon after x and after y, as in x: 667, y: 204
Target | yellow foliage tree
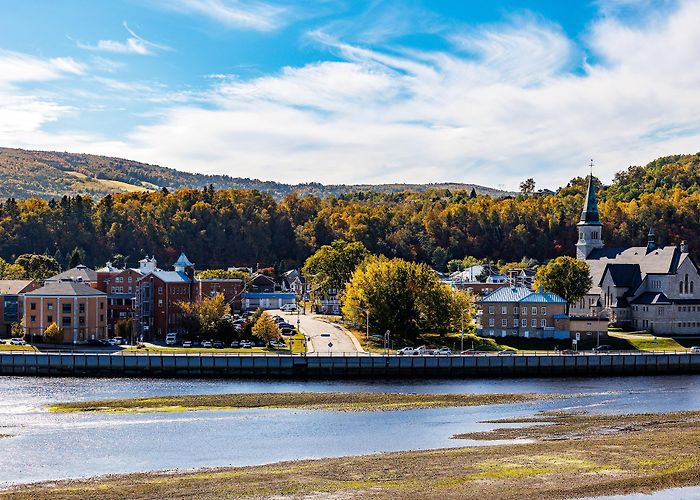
x: 53, y: 334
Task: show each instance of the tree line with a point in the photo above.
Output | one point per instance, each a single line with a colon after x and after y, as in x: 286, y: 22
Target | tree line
x: 223, y: 228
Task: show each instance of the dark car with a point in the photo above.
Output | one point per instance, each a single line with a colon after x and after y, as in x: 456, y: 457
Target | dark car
x: 568, y: 351
x: 218, y: 344
x: 602, y: 348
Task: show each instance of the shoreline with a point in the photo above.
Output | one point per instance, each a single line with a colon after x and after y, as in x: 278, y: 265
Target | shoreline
x: 573, y: 456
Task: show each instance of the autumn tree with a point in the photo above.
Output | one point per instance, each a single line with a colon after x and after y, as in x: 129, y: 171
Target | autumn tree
x: 331, y: 266
x: 11, y: 271
x: 461, y: 310
x: 401, y: 296
x: 527, y: 187
x: 567, y: 277
x: 266, y: 329
x: 38, y: 267
x: 53, y: 334
x: 207, y: 316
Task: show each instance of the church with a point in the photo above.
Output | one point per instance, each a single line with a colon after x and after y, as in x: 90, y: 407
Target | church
x: 652, y: 288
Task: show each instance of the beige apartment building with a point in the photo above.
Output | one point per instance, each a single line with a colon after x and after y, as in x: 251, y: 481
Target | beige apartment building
x: 77, y: 308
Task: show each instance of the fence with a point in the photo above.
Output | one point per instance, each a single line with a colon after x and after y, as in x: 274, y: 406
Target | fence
x: 358, y: 365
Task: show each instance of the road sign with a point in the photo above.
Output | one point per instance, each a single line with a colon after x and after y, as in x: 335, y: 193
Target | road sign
x: 330, y: 344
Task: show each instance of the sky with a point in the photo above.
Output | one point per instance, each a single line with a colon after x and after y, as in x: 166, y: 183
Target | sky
x: 356, y: 91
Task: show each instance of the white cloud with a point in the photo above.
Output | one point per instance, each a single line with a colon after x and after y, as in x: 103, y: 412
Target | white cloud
x: 17, y: 67
x: 133, y: 45
x: 507, y: 105
x: 252, y: 15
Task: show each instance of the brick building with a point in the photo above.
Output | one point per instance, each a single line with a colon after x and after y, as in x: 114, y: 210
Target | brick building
x: 12, y: 302
x: 79, y: 309
x: 159, y: 292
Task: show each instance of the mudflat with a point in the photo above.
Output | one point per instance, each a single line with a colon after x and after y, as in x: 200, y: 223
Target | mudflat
x: 571, y: 455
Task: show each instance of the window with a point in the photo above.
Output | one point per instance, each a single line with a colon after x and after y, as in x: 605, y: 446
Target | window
x: 33, y: 306
x: 515, y: 322
x: 81, y: 308
x: 49, y: 307
x: 504, y: 322
x: 534, y: 310
x: 66, y: 321
x: 660, y: 311
x: 65, y: 308
x: 515, y: 310
x: 692, y: 286
x: 534, y: 323
x: 160, y: 290
x: 102, y: 305
x: 680, y: 287
x: 543, y: 323
x: 504, y: 310
x: 49, y: 319
x: 543, y: 311
x: 129, y: 280
x: 102, y: 317
x: 492, y: 310
x: 81, y: 321
x: 492, y: 322
x: 120, y: 279
x: 160, y: 302
x: 32, y: 319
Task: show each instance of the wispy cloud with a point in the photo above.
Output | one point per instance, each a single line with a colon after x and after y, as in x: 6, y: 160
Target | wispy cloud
x: 132, y: 45
x: 505, y: 105
x: 259, y: 16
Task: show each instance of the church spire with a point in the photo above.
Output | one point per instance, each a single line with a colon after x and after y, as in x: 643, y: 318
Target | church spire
x: 589, y: 213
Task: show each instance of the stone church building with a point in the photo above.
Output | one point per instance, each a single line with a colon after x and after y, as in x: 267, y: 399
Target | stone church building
x: 650, y: 288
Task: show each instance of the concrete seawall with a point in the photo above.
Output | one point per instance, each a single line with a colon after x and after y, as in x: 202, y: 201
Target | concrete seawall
x: 73, y: 364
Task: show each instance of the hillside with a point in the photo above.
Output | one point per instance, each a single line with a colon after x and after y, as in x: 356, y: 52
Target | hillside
x: 49, y: 174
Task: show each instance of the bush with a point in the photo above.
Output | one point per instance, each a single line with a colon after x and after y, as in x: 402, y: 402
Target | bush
x: 53, y: 334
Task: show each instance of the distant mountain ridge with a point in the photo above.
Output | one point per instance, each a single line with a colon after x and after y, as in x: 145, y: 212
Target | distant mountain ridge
x: 49, y: 174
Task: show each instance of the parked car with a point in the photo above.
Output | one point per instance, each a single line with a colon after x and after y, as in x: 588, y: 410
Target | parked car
x: 187, y: 343
x: 17, y: 341
x: 695, y: 350
x: 92, y: 342
x: 506, y: 352
x: 287, y: 331
x: 444, y: 351
x: 472, y: 352
x: 120, y: 340
x: 602, y: 348
x: 278, y: 345
x: 568, y: 351
x: 207, y: 344
x: 235, y: 344
x: 289, y: 308
x: 407, y: 351
x: 217, y: 344
x: 285, y: 325
x: 246, y: 344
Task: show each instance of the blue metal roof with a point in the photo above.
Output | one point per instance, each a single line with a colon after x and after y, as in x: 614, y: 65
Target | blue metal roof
x: 268, y: 295
x: 522, y: 294
x: 172, y: 276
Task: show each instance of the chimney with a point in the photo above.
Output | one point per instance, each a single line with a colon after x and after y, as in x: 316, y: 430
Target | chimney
x: 651, y: 241
x: 684, y: 247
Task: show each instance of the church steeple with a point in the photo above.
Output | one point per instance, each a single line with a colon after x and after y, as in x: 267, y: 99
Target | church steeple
x: 590, y: 230
x: 589, y: 214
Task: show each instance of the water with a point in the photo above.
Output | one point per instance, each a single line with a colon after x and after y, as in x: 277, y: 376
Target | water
x: 49, y: 446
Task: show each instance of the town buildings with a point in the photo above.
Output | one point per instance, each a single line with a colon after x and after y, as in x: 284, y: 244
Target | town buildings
x: 77, y: 308
x: 12, y: 302
x: 159, y: 292
x: 650, y: 287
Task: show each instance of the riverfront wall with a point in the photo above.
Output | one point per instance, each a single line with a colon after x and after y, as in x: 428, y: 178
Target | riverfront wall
x: 75, y: 364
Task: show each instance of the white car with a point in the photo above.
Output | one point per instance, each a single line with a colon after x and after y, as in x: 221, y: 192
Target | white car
x: 207, y: 343
x: 407, y: 351
x: 289, y: 308
x: 444, y: 351
x: 17, y: 341
x: 695, y: 350
x: 246, y: 344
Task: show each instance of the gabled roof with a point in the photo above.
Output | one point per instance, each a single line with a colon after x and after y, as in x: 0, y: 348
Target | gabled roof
x: 268, y: 295
x: 624, y: 275
x: 171, y: 276
x: 651, y: 298
x: 14, y: 287
x: 257, y: 278
x: 66, y: 288
x: 522, y: 294
x: 80, y: 272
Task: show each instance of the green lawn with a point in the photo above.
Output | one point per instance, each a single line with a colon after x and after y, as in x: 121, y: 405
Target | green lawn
x: 7, y: 347
x: 195, y: 350
x: 646, y: 342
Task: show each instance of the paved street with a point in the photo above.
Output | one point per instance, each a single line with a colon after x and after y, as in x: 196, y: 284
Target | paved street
x: 313, y: 328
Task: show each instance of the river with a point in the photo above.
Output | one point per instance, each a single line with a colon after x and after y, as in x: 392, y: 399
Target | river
x: 49, y: 446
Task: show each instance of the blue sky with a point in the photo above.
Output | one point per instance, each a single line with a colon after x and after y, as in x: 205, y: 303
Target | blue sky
x: 341, y: 91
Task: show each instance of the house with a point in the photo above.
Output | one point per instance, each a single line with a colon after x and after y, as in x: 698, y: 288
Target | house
x: 261, y: 283
x: 12, y: 302
x: 521, y: 276
x: 292, y: 281
x: 648, y: 287
x: 80, y: 273
x: 520, y: 312
x: 266, y: 300
x: 77, y: 308
x: 159, y: 292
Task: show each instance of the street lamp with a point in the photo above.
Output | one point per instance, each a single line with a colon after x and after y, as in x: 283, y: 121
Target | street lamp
x: 462, y: 321
x: 386, y: 342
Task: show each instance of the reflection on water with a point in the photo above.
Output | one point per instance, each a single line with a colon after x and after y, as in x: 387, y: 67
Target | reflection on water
x: 52, y: 446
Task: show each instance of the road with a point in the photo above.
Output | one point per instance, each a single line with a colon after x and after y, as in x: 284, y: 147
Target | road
x: 313, y: 327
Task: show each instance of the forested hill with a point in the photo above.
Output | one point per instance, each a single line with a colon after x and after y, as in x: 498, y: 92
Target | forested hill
x: 49, y: 175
